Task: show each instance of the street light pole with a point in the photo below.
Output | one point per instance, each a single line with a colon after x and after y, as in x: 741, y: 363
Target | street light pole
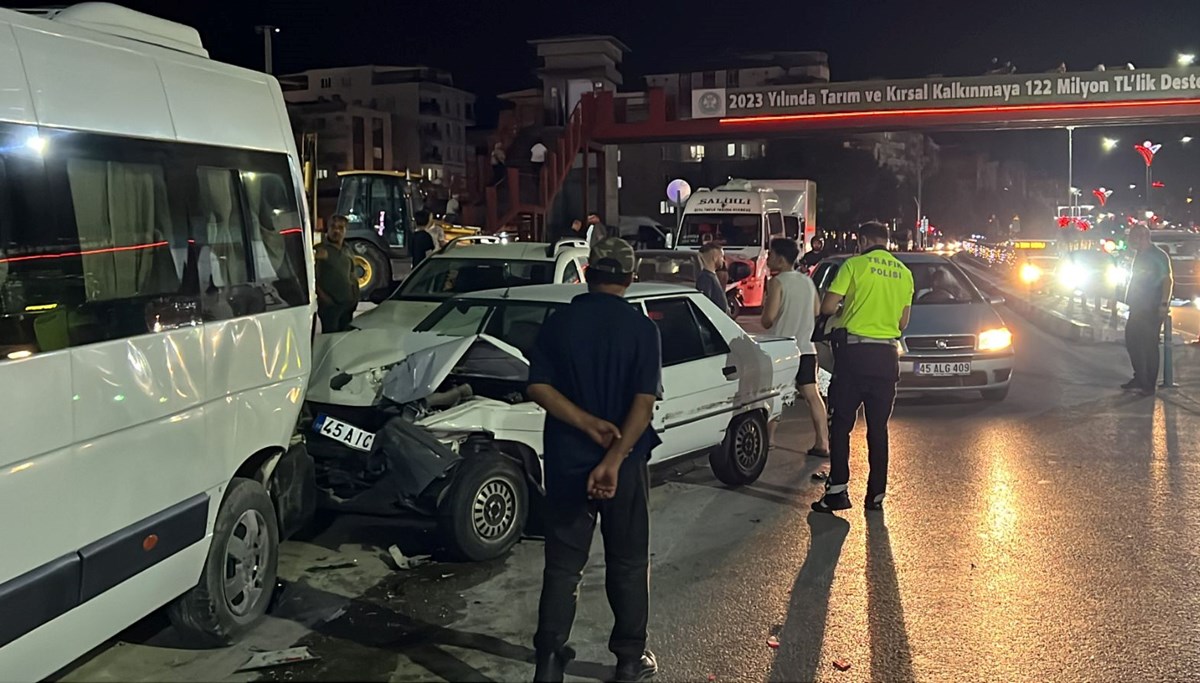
x: 1071, y: 171
x: 268, y: 33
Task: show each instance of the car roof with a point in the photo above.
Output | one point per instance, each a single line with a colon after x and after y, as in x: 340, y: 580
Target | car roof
x: 681, y: 253
x: 564, y: 293
x: 525, y: 251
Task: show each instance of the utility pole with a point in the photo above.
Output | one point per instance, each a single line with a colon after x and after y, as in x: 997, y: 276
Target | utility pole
x: 268, y: 33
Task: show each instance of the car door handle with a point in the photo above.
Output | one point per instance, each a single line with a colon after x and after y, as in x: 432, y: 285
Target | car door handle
x: 730, y: 372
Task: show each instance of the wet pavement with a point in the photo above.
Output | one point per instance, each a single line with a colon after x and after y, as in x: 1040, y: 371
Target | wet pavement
x: 1049, y: 537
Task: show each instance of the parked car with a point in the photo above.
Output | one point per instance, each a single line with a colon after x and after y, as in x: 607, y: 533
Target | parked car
x: 955, y: 339
x: 443, y: 427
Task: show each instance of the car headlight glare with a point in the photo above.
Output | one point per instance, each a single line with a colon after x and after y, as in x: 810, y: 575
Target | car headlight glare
x: 1030, y: 273
x: 996, y: 339
x: 1072, y: 276
x: 1117, y: 275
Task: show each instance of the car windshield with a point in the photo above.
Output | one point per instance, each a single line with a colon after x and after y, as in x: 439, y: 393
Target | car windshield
x: 442, y: 278
x: 730, y: 230
x: 679, y: 268
x: 515, y: 323
x: 941, y: 283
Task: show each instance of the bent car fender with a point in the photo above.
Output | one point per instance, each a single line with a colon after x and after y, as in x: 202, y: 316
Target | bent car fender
x: 412, y: 458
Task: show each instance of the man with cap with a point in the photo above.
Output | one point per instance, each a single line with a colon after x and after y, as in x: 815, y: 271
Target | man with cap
x: 874, y: 291
x: 596, y: 369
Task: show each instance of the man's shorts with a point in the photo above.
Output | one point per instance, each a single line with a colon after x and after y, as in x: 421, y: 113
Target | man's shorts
x: 808, y: 370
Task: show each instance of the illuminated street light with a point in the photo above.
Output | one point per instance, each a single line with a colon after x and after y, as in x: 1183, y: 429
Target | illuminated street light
x: 1109, y: 144
x: 1133, y: 186
x: 1185, y: 139
x: 1186, y: 59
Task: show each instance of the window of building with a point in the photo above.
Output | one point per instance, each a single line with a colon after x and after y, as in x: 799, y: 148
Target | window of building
x: 731, y: 149
x: 327, y: 82
x: 322, y: 173
x: 377, y: 143
x: 708, y: 79
x: 619, y: 183
x: 693, y: 152
x: 732, y: 78
x: 358, y: 143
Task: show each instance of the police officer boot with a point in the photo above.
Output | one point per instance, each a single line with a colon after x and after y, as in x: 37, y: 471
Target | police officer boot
x: 550, y: 667
x: 835, y: 498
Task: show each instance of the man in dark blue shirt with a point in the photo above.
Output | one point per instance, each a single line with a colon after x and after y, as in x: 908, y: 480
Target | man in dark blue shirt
x: 597, y: 369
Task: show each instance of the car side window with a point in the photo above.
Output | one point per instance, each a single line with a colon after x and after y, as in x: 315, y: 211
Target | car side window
x: 571, y: 273
x: 824, y: 274
x: 686, y: 334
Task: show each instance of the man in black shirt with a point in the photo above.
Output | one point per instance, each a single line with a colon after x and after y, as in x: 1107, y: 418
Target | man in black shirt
x: 422, y: 240
x: 596, y: 365
x: 1149, y: 299
x: 712, y: 257
x: 813, y: 256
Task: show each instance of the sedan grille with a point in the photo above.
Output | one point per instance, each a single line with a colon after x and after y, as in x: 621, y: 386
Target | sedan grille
x: 951, y: 342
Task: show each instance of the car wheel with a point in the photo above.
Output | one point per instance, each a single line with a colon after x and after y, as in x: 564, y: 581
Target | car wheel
x: 370, y: 267
x: 741, y: 459
x: 239, y: 574
x: 995, y: 394
x: 484, y: 512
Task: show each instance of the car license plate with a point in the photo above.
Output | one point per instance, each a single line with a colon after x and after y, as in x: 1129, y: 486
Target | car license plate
x: 943, y: 369
x: 359, y: 439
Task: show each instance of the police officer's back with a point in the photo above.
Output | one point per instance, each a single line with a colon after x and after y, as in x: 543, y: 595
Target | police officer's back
x: 874, y: 290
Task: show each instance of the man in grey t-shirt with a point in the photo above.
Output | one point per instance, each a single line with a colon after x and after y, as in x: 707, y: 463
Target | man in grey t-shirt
x: 711, y: 258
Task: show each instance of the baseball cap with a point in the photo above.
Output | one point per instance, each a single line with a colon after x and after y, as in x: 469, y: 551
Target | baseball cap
x: 612, y: 255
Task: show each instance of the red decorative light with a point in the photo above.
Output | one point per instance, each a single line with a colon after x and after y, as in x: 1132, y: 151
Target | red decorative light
x: 1157, y: 183
x: 1083, y: 224
x: 1148, y: 149
x: 1102, y: 194
x: 989, y: 109
x: 1064, y: 221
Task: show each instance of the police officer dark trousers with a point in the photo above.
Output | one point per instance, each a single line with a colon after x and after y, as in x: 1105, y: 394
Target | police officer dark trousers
x: 873, y: 291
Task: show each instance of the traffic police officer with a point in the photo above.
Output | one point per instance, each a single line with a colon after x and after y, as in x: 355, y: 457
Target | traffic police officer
x: 874, y: 290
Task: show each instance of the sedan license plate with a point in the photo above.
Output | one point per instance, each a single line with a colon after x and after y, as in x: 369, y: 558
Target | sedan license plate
x: 358, y: 439
x: 943, y: 369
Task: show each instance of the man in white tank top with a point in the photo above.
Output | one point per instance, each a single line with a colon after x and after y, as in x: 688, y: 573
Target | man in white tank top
x: 790, y: 310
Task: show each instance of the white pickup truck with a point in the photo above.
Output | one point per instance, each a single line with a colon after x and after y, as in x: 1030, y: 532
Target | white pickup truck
x: 441, y: 425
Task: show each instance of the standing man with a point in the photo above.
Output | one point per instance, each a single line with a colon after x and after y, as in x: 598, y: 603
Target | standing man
x: 814, y: 255
x: 577, y: 231
x: 337, y: 287
x: 596, y: 231
x: 597, y: 365
x: 790, y: 310
x: 1149, y: 299
x: 875, y: 291
x: 424, y: 242
x: 452, y: 208
x: 537, y: 156
x: 712, y: 257
x: 499, y: 160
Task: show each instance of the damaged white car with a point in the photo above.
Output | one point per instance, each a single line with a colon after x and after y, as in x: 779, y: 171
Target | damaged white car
x: 439, y: 423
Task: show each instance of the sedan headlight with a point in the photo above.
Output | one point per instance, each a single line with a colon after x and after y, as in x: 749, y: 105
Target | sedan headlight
x: 1030, y: 273
x: 996, y: 339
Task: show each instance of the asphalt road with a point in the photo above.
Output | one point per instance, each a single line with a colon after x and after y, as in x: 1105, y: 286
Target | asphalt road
x: 1049, y: 537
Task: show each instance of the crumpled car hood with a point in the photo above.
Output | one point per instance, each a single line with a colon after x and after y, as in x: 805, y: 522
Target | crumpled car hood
x: 406, y: 370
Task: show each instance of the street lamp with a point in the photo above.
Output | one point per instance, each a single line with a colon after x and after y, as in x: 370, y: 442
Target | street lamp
x: 1185, y: 139
x: 267, y: 32
x: 1109, y: 144
x: 1186, y: 59
x: 1147, y: 150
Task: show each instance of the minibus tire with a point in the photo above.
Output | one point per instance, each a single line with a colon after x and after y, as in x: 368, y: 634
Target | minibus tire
x: 206, y: 615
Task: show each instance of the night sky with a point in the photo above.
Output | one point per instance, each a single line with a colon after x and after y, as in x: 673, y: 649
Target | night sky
x: 482, y: 43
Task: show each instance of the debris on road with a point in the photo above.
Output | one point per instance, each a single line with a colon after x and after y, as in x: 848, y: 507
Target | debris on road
x: 404, y: 562
x: 773, y: 643
x: 841, y: 665
x: 264, y: 660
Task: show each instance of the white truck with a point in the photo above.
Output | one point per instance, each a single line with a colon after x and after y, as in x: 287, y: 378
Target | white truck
x: 743, y: 216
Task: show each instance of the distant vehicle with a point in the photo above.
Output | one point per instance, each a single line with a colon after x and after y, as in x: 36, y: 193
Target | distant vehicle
x: 1092, y: 273
x: 156, y: 306
x: 743, y: 216
x: 682, y: 267
x: 955, y: 339
x: 450, y: 433
x: 380, y: 206
x: 644, y: 232
x: 1183, y: 247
